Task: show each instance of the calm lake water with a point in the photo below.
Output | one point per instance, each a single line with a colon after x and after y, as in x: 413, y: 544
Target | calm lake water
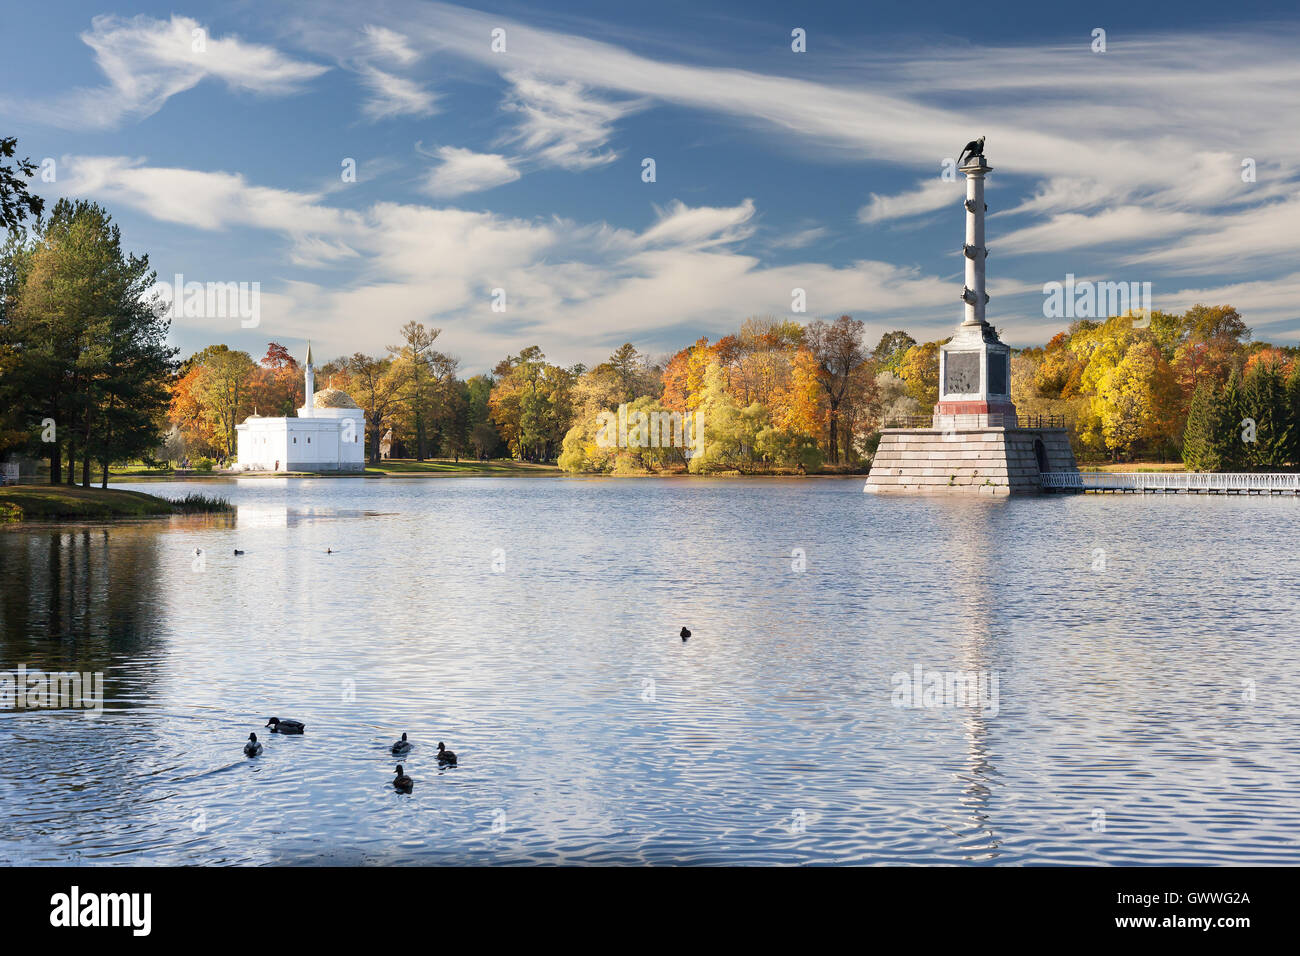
x: 1144, y: 648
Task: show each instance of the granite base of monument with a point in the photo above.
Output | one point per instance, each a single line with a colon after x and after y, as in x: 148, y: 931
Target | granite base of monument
x: 978, y: 461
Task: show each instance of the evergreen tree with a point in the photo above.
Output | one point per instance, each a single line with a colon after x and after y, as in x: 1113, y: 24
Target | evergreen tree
x: 1293, y: 415
x: 1199, y: 446
x: 91, y: 353
x: 1264, y: 401
x: 1228, y: 444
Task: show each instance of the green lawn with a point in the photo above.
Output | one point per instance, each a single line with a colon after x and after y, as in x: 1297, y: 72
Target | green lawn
x: 36, y: 502
x: 445, y: 466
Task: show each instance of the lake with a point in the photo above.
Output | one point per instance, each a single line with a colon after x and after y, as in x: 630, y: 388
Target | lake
x: 1136, y: 659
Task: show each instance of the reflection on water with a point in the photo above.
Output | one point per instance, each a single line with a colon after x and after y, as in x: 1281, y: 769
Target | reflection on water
x: 1143, y: 715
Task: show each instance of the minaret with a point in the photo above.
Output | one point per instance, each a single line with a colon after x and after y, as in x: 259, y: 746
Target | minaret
x: 310, y: 392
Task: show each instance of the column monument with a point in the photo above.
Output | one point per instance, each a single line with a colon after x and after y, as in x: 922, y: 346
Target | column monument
x: 974, y: 444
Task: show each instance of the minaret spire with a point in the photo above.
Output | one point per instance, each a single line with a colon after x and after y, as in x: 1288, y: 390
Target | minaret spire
x: 309, y: 389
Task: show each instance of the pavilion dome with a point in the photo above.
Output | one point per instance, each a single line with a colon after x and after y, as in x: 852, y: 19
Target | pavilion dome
x: 333, y: 398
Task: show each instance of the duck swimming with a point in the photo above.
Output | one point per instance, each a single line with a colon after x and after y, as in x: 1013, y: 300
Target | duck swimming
x: 402, y: 783
x: 237, y: 551
x: 402, y: 746
x: 279, y: 726
x: 445, y: 755
x: 685, y: 633
x: 252, y: 748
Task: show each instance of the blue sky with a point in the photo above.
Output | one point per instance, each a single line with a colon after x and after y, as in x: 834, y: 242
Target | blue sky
x: 775, y: 170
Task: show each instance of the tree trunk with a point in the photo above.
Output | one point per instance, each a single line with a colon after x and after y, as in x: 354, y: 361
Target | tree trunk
x: 56, y: 463
x: 104, y: 481
x: 834, y: 429
x: 85, y: 469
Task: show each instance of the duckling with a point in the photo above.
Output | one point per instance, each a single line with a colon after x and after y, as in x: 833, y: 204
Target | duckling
x: 279, y: 726
x: 402, y: 746
x: 445, y: 755
x: 252, y: 748
x: 403, y: 783
x: 685, y: 633
x: 237, y: 551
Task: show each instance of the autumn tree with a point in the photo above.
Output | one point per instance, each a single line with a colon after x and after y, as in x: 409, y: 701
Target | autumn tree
x: 839, y: 355
x: 920, y: 370
x: 426, y: 373
x: 889, y: 351
x: 375, y: 384
x: 531, y: 404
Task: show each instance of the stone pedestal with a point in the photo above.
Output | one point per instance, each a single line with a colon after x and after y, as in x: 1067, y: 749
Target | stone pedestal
x: 977, y: 461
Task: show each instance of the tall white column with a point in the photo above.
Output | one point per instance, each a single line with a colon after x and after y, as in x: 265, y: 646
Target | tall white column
x: 975, y: 251
x: 308, y: 403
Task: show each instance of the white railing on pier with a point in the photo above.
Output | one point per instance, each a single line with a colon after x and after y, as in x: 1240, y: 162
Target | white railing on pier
x: 1193, y: 482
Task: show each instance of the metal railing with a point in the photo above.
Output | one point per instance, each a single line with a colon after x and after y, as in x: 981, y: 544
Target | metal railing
x: 1189, y: 482
x: 995, y: 420
x: 909, y: 421
x: 1042, y: 421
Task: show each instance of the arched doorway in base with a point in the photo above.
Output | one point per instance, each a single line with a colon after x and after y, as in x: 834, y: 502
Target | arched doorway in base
x: 1040, y: 453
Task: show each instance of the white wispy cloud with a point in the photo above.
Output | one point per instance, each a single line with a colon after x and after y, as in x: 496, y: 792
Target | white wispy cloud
x: 574, y: 285
x: 463, y: 171
x: 392, y: 95
x: 1155, y: 124
x: 148, y: 61
x: 388, y: 44
x: 799, y: 238
x: 562, y: 123
x: 929, y: 195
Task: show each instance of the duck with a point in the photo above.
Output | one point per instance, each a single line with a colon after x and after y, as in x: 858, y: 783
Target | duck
x: 252, y: 748
x: 402, y: 783
x: 237, y: 551
x: 279, y: 726
x: 329, y: 551
x: 445, y: 755
x: 685, y: 633
x: 198, y: 551
x: 402, y: 746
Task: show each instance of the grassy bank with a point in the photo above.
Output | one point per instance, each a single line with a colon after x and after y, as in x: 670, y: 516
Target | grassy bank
x: 500, y: 467
x: 38, y: 502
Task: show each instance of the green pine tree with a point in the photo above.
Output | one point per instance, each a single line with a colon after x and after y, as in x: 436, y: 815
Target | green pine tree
x: 1199, y: 446
x: 1293, y: 415
x: 1264, y: 401
x: 1228, y: 445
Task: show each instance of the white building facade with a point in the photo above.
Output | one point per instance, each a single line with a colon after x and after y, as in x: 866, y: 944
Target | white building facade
x: 328, y: 435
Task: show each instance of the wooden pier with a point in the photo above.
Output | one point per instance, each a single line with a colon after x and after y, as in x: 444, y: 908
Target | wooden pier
x: 1173, y: 483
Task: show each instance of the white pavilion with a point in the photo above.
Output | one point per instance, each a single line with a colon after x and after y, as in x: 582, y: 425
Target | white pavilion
x: 328, y: 434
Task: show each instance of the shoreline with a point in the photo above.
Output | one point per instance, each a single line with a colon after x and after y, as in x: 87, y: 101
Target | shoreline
x: 22, y: 503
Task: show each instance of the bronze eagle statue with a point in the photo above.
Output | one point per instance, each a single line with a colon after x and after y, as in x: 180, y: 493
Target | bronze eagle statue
x: 974, y: 148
